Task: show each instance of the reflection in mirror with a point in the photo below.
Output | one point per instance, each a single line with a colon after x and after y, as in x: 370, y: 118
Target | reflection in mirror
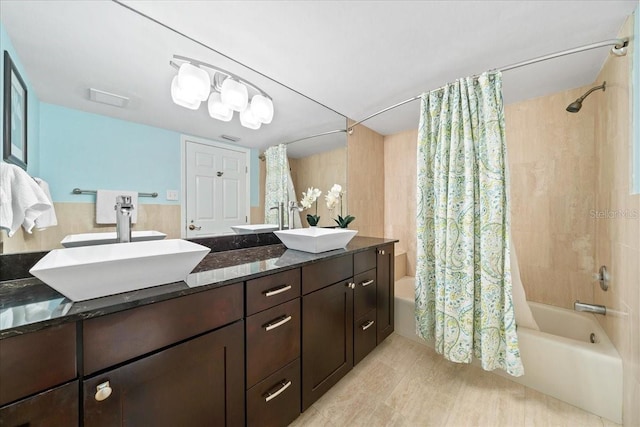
x: 64, y: 49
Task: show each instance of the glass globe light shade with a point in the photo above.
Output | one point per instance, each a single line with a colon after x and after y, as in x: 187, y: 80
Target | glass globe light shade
x: 217, y: 109
x: 194, y: 81
x: 181, y: 98
x: 262, y: 108
x: 234, y: 94
x: 248, y: 119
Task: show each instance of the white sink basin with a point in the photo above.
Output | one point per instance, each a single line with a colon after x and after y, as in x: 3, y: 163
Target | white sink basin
x: 254, y: 228
x: 96, y: 271
x: 315, y: 239
x: 90, y: 239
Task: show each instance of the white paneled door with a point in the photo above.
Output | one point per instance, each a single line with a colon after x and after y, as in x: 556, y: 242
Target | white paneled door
x: 216, y: 189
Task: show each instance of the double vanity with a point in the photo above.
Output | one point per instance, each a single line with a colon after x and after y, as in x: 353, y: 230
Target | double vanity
x: 253, y: 336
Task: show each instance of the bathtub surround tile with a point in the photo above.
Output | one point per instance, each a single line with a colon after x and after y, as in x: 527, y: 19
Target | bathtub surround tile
x: 423, y: 389
x: 365, y: 178
x: 400, y: 206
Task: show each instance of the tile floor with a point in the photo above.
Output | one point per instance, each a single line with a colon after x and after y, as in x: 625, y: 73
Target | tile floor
x: 404, y: 383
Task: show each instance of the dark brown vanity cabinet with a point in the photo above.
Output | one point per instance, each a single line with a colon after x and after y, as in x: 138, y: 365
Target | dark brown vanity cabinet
x: 34, y: 368
x: 347, y: 310
x: 385, y: 290
x: 273, y: 349
x: 55, y: 407
x: 327, y: 326
x: 175, y: 363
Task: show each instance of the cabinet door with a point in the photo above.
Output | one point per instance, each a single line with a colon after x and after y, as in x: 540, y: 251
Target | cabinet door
x: 197, y: 383
x: 56, y: 407
x: 327, y: 339
x: 385, y: 283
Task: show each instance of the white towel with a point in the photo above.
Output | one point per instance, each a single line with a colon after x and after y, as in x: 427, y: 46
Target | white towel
x: 48, y: 218
x: 106, y: 202
x: 22, y: 201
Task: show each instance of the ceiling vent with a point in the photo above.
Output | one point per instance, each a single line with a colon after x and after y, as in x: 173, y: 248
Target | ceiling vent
x: 230, y: 138
x: 103, y: 97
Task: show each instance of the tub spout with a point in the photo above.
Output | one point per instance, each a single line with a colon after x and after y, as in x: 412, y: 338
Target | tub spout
x: 590, y: 308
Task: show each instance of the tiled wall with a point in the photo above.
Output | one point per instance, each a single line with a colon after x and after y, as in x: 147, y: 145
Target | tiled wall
x: 74, y: 218
x: 617, y: 228
x: 552, y: 165
x: 321, y: 171
x: 400, y: 195
x: 365, y: 178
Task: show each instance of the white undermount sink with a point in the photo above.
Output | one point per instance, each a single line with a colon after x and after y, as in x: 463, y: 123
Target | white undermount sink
x: 254, y: 228
x: 96, y: 271
x: 90, y: 239
x: 315, y: 239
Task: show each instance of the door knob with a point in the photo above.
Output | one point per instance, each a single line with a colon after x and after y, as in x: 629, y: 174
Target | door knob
x: 194, y: 227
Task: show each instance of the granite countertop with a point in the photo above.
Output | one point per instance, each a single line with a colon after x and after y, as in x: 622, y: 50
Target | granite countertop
x: 28, y: 305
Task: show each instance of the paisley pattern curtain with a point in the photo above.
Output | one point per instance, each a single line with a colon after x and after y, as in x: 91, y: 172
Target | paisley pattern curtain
x: 463, y: 277
x: 278, y: 186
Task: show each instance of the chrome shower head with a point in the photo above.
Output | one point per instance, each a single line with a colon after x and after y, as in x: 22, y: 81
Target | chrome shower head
x: 576, y: 105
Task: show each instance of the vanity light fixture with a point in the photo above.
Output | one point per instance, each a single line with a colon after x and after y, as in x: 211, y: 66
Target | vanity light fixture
x: 224, y: 92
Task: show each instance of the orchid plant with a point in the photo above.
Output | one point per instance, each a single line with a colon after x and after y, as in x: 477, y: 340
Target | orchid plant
x: 308, y: 199
x: 333, y: 197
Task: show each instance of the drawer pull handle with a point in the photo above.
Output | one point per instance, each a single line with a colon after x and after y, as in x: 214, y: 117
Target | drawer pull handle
x: 351, y: 285
x: 276, y: 291
x: 367, y: 283
x: 278, y: 322
x: 282, y: 387
x: 380, y: 252
x: 103, y: 391
x: 368, y: 325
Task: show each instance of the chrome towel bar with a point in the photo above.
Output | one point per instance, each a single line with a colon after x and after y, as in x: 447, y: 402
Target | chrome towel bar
x: 79, y: 191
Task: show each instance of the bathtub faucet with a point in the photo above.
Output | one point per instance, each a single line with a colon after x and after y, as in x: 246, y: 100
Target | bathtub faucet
x: 590, y: 308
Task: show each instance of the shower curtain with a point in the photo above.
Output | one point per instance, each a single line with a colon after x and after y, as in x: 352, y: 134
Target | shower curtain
x: 278, y: 186
x: 463, y: 278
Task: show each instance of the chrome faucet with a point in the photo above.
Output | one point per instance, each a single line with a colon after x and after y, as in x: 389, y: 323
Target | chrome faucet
x: 280, y: 209
x: 124, y: 209
x: 293, y: 206
x: 590, y: 308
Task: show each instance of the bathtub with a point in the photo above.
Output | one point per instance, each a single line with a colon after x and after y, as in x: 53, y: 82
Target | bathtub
x: 559, y: 360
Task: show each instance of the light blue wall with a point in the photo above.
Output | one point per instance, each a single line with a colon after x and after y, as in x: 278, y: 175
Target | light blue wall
x: 90, y: 151
x: 33, y: 105
x: 70, y: 148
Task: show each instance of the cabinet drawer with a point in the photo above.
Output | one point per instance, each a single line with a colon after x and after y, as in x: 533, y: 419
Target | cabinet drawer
x: 115, y: 338
x: 364, y: 336
x: 273, y: 340
x: 276, y: 400
x: 364, y: 296
x: 56, y: 407
x: 325, y: 273
x: 266, y: 292
x: 37, y: 361
x: 363, y: 261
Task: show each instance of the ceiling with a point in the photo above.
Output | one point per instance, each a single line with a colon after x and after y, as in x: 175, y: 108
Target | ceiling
x: 355, y: 57
x: 358, y: 57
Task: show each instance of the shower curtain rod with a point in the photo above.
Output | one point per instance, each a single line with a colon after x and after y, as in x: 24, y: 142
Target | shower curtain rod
x: 262, y: 156
x: 619, y: 49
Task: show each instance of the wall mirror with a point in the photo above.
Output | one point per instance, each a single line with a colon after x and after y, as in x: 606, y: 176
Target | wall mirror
x: 65, y: 49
